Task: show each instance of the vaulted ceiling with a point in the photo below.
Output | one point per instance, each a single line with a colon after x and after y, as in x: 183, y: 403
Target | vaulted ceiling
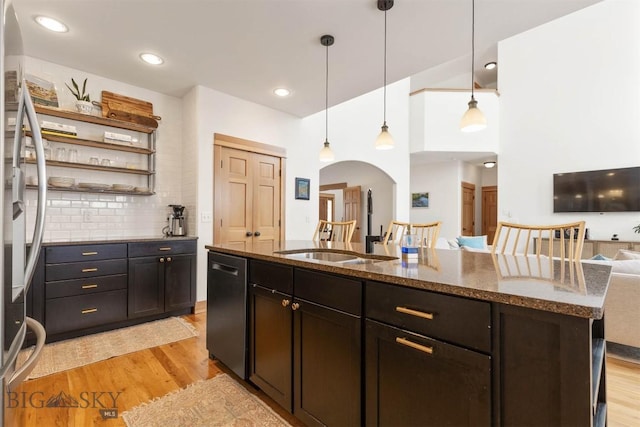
x: 247, y: 48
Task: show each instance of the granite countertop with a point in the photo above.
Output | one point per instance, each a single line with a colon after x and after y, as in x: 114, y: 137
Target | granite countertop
x: 100, y: 240
x: 541, y: 283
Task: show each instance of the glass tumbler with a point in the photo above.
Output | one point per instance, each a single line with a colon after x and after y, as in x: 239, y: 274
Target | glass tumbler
x: 73, y: 156
x: 61, y: 154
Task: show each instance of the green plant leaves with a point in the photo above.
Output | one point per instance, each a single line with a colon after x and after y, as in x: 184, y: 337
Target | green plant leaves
x: 80, y: 96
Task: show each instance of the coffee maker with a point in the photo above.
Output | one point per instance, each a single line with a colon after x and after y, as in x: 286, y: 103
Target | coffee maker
x: 177, y: 223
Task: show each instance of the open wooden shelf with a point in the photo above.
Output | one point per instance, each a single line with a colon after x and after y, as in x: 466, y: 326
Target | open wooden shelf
x: 94, y: 167
x: 94, y: 144
x: 66, y: 114
x: 77, y: 189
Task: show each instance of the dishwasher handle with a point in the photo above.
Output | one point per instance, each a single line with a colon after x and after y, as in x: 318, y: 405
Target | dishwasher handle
x: 227, y: 269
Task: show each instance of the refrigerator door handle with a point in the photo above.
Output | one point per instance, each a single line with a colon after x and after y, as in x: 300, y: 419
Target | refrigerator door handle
x: 23, y: 372
x: 38, y: 232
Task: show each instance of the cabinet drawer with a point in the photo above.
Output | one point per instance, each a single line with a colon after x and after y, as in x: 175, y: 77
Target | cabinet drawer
x: 85, y: 311
x: 74, y: 253
x: 66, y: 288
x: 271, y: 276
x: 329, y: 290
x: 162, y: 247
x: 77, y: 270
x: 453, y: 319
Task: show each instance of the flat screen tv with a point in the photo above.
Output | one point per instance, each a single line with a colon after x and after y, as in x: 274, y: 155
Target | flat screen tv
x: 609, y: 190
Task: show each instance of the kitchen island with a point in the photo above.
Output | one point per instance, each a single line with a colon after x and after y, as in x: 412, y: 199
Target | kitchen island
x: 339, y: 337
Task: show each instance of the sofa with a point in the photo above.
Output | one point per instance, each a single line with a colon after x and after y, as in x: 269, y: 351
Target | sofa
x: 622, y: 303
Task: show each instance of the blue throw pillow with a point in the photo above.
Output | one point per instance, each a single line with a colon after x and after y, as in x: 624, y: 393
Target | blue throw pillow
x: 475, y: 242
x: 600, y: 257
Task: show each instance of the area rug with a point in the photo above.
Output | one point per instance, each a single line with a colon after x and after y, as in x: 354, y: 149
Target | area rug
x: 219, y: 401
x: 62, y: 355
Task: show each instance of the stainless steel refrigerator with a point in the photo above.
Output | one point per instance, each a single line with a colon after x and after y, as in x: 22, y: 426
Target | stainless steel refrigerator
x: 19, y: 253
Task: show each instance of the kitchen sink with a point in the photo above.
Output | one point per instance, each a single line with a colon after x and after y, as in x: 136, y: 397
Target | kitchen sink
x: 335, y: 256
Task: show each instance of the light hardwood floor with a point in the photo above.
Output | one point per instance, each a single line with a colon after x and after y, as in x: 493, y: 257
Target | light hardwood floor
x: 148, y: 374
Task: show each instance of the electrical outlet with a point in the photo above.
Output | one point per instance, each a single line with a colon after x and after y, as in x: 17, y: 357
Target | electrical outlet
x: 206, y: 217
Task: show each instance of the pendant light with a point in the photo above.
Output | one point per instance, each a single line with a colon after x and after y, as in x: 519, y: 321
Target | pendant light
x: 473, y: 120
x: 326, y: 154
x: 384, y: 141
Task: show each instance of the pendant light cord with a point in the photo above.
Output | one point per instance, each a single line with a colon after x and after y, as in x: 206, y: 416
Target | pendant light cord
x: 326, y: 101
x: 473, y: 41
x: 384, y: 91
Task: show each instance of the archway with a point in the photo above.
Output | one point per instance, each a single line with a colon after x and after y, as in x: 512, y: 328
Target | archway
x: 367, y: 176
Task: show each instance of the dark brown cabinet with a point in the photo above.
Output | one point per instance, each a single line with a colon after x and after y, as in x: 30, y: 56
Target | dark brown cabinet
x: 422, y: 344
x: 305, y: 345
x: 271, y: 330
x: 415, y: 380
x: 85, y: 286
x: 161, y: 277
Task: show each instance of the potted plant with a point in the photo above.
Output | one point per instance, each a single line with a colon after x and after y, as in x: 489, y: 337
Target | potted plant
x: 637, y: 228
x: 83, y: 101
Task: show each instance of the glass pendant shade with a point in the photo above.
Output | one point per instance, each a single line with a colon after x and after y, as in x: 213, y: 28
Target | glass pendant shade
x: 384, y: 141
x: 473, y: 120
x: 326, y: 154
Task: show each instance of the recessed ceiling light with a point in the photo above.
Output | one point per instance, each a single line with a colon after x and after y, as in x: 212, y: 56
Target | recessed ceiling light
x: 282, y: 92
x: 490, y: 65
x: 151, y: 58
x: 51, y: 24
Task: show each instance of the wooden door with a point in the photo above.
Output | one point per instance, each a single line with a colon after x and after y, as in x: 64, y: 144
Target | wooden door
x: 248, y: 187
x: 352, y: 196
x: 468, y: 209
x: 266, y: 200
x: 489, y: 211
x: 327, y: 209
x: 234, y: 197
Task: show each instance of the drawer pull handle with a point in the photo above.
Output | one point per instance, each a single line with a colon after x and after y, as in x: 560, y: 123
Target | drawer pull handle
x: 89, y: 253
x: 90, y: 286
x: 166, y: 248
x: 405, y: 310
x: 89, y: 270
x: 419, y: 347
x: 89, y: 310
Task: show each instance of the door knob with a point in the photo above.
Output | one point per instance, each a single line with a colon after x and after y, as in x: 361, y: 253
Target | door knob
x: 295, y: 306
x: 161, y: 259
x: 257, y: 234
x: 169, y: 259
x: 249, y: 234
x: 285, y: 302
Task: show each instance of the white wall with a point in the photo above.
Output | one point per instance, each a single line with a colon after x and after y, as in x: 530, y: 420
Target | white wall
x: 215, y: 112
x: 435, y: 121
x: 367, y: 177
x: 353, y: 128
x: 442, y: 182
x: 579, y: 112
x: 81, y: 216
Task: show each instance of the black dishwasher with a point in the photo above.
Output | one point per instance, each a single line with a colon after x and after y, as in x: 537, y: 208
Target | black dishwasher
x: 227, y: 311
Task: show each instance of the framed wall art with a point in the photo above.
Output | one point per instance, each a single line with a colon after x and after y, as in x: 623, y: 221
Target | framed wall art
x: 302, y: 188
x: 419, y: 200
